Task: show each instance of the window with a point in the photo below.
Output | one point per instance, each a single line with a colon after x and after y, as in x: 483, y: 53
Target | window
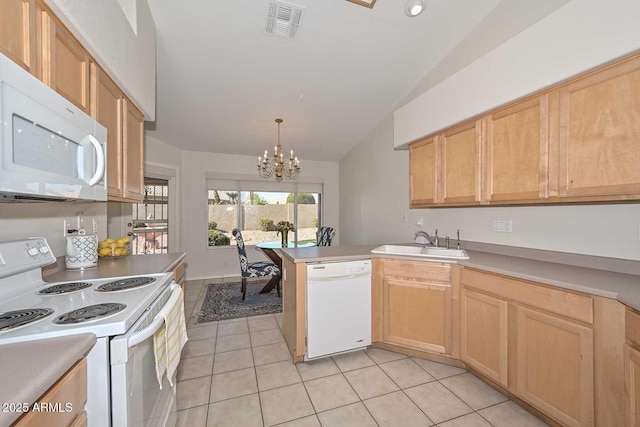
x: 151, y: 219
x: 257, y: 211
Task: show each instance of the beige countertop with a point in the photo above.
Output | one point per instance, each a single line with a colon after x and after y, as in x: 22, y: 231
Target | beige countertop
x: 128, y: 266
x: 30, y: 368
x: 615, y: 279
x: 329, y: 253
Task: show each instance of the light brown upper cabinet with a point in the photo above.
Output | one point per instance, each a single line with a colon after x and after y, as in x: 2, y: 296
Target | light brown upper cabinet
x: 17, y: 32
x: 574, y: 142
x: 107, y: 109
x: 133, y: 153
x: 517, y: 147
x: 125, y: 138
x: 461, y: 175
x: 63, y: 64
x: 423, y: 174
x: 598, y: 133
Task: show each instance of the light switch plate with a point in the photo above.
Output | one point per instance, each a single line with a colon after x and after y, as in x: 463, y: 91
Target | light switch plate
x: 502, y: 225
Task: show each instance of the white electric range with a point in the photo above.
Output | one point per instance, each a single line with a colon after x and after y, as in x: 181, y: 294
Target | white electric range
x: 122, y: 388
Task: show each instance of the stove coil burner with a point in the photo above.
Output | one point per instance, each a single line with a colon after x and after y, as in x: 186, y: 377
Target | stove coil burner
x: 124, y: 284
x: 64, y: 288
x: 90, y: 312
x: 14, y: 319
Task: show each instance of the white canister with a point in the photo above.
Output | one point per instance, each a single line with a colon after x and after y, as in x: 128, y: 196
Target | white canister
x: 82, y: 252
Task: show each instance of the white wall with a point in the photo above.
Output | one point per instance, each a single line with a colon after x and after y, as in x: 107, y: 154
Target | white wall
x: 579, y: 36
x: 374, y: 188
x: 23, y: 220
x: 127, y: 52
x: 159, y: 153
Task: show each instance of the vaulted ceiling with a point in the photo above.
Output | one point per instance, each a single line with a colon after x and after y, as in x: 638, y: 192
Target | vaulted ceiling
x: 223, y: 80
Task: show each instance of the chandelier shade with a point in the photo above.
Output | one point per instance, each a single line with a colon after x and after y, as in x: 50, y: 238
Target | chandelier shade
x: 277, y: 165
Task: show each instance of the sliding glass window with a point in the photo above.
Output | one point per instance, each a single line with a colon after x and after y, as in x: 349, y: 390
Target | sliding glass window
x: 256, y: 214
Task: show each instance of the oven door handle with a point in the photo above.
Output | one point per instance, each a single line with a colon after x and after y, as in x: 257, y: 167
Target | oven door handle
x: 147, y: 332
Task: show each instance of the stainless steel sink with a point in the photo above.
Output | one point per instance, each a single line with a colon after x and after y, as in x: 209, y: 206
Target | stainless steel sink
x: 441, y: 254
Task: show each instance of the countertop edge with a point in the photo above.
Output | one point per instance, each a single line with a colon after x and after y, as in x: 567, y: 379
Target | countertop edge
x: 30, y: 369
x: 176, y: 262
x: 623, y: 287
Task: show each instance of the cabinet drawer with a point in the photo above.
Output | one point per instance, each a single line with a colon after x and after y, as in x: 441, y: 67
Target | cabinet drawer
x: 569, y: 304
x: 632, y: 326
x: 69, y: 393
x: 418, y: 270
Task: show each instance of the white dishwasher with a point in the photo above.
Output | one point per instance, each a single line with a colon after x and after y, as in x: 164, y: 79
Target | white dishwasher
x: 338, y: 307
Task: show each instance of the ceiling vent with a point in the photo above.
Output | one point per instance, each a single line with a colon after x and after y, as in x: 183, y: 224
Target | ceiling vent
x: 283, y: 19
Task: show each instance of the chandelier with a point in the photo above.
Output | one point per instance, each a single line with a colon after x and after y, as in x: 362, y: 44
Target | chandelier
x: 277, y: 166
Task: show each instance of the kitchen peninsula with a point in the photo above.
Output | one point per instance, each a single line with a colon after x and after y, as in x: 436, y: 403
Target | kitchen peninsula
x: 495, y: 310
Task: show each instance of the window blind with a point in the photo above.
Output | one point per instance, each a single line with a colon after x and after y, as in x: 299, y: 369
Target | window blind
x: 246, y: 182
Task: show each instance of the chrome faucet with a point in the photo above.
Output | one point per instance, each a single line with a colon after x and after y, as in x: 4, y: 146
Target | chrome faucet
x: 432, y: 240
x: 423, y: 234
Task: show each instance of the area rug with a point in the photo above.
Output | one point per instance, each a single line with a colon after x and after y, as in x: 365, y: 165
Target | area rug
x: 224, y: 301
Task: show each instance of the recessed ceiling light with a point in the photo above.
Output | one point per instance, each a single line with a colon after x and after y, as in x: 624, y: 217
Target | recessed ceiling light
x: 414, y: 7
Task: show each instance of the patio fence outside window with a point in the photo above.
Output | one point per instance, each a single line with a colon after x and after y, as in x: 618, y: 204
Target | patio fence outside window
x: 256, y: 214
x: 151, y: 219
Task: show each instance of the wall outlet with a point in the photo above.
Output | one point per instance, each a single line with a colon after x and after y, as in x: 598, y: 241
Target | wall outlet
x: 502, y: 225
x: 68, y: 227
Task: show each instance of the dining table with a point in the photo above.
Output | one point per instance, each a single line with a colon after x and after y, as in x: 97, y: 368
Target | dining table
x: 271, y: 250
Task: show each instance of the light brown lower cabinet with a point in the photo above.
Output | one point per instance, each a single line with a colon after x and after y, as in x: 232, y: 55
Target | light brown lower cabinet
x: 484, y: 334
x: 554, y: 366
x: 537, y: 342
x: 632, y: 385
x: 178, y: 274
x: 413, y: 305
x: 69, y: 393
x: 417, y: 314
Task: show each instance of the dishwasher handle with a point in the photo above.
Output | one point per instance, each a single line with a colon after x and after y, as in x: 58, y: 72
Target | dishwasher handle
x: 335, y: 278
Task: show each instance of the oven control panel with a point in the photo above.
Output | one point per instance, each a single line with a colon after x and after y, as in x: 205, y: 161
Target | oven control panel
x: 24, y: 255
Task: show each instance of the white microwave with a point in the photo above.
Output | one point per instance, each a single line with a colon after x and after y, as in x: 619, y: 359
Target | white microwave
x: 49, y: 148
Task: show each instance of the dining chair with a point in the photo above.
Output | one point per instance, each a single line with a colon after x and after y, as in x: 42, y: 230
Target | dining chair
x: 324, y: 236
x: 253, y: 269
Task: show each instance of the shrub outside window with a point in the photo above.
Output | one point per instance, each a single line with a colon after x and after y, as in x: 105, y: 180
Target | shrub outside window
x: 256, y: 214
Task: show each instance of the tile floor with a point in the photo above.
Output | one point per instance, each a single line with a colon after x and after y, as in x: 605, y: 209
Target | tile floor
x: 239, y: 373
